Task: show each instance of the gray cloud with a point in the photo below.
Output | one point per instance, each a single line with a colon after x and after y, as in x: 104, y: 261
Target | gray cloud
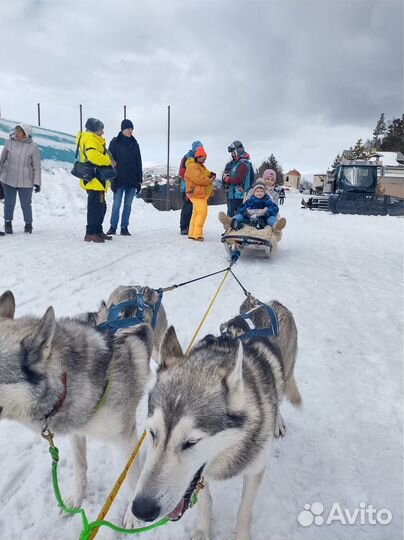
x: 300, y: 78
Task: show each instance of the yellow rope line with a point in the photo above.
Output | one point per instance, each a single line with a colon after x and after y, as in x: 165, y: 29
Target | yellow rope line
x: 122, y: 476
x: 118, y: 484
x: 207, y: 313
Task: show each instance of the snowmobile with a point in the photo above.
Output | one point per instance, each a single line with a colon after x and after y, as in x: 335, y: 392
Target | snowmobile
x: 352, y: 189
x: 255, y: 240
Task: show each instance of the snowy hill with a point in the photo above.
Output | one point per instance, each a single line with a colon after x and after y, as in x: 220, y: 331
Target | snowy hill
x: 57, y: 148
x: 340, y: 275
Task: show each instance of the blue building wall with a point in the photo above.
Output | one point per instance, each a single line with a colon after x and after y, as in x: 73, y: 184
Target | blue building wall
x: 53, y: 145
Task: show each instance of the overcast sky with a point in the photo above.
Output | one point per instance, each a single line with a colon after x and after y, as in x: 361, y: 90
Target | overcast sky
x: 302, y: 79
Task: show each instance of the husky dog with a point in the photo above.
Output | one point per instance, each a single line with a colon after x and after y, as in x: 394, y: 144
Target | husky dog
x: 215, y: 413
x: 125, y: 293
x: 75, y: 380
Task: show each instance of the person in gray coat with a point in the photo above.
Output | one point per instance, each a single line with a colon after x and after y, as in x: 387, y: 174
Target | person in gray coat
x: 20, y: 172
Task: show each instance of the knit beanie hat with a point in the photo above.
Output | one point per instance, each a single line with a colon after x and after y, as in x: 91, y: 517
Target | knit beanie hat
x: 94, y: 125
x: 199, y: 152
x: 258, y: 185
x: 195, y: 145
x: 269, y: 173
x: 26, y: 129
x: 126, y: 124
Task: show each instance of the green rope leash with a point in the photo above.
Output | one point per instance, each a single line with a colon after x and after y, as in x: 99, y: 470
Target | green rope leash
x: 89, y: 527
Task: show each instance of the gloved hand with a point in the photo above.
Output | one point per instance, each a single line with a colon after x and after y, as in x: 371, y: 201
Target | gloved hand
x: 114, y: 187
x: 37, y: 188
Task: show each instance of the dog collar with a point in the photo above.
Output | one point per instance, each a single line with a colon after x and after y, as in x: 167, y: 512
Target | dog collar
x: 56, y: 408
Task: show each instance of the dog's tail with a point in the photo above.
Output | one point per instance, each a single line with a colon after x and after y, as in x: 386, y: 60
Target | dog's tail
x: 292, y: 392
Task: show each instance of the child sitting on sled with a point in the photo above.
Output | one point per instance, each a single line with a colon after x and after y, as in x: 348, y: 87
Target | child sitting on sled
x: 258, y: 211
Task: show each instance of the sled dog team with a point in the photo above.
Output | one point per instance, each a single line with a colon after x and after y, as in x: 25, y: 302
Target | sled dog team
x: 212, y: 414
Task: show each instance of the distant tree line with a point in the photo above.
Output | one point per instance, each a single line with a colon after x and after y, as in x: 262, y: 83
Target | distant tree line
x: 387, y: 136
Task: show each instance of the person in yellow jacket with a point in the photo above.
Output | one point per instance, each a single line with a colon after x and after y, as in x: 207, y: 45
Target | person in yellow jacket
x: 199, y: 188
x: 92, y: 148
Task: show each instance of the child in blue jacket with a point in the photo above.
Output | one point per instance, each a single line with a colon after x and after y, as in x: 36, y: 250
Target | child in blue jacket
x: 259, y: 210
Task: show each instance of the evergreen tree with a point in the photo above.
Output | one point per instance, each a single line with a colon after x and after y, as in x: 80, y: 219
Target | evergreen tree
x: 359, y: 151
x: 379, y: 130
x: 336, y: 162
x: 271, y: 163
x: 394, y: 139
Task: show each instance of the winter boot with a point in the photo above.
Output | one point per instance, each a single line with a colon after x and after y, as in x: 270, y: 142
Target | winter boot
x: 235, y: 225
x: 28, y: 228
x: 111, y: 231
x: 184, y: 232
x: 261, y: 223
x: 8, y: 227
x: 125, y: 232
x: 94, y: 238
x: 105, y: 236
x: 280, y: 224
x: 225, y: 220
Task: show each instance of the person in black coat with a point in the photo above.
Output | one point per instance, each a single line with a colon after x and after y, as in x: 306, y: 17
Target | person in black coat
x: 126, y: 153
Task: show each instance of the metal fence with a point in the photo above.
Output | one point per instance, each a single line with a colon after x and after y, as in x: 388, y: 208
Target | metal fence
x: 157, y: 196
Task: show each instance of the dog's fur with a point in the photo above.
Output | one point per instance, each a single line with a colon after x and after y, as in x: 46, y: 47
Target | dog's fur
x: 124, y: 293
x: 216, y: 410
x: 35, y: 353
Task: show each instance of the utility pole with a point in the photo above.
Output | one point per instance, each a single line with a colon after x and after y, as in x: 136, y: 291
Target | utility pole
x: 81, y: 117
x: 168, y: 158
x: 39, y: 114
x: 124, y: 112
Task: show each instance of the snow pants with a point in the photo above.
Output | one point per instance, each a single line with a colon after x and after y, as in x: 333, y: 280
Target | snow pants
x: 199, y: 214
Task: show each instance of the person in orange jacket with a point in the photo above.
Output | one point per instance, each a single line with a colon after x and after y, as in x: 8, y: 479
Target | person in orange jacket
x: 199, y: 188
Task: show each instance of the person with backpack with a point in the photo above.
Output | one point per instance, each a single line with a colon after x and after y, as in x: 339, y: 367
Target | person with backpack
x: 186, y: 210
x: 282, y: 196
x: 125, y: 151
x: 238, y: 176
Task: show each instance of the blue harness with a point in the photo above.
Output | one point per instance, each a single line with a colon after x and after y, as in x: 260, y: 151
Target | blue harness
x: 137, y: 305
x: 270, y: 331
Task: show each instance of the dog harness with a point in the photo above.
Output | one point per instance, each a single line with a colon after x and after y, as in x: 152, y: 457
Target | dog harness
x: 272, y: 330
x: 137, y: 305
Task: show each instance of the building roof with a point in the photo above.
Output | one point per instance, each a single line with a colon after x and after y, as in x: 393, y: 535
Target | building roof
x: 293, y: 172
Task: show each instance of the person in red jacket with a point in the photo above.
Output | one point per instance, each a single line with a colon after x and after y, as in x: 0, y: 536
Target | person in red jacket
x: 238, y: 177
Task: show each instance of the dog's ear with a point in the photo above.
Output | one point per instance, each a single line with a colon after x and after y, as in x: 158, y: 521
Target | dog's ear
x: 234, y: 383
x: 170, y: 350
x: 7, y: 305
x: 102, y: 313
x: 143, y: 332
x: 38, y: 345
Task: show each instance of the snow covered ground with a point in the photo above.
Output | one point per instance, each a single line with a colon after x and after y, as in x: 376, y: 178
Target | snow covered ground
x: 341, y: 276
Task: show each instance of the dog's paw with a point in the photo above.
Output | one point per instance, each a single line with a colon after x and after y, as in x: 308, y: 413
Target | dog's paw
x: 129, y: 521
x: 280, y: 427
x: 198, y: 534
x: 72, y: 501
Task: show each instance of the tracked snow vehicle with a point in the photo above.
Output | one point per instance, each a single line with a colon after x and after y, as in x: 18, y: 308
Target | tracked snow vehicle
x: 352, y: 189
